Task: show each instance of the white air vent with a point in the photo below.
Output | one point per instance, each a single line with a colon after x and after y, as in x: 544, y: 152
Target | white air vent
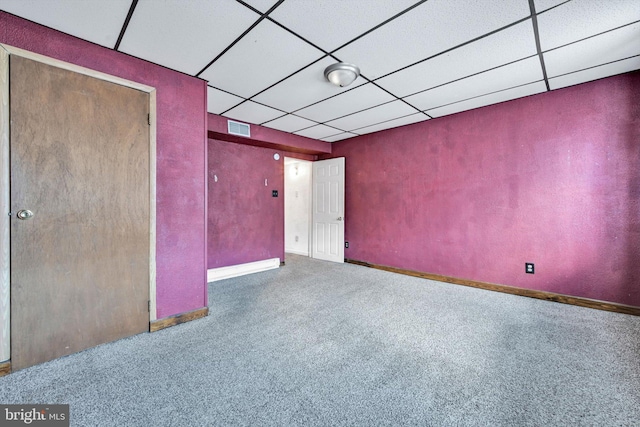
x: 241, y: 129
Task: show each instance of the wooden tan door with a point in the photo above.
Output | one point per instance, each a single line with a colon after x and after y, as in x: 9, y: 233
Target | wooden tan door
x: 80, y: 163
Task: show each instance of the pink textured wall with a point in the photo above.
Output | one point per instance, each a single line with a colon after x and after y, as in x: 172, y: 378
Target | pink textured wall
x: 246, y: 223
x: 181, y: 160
x: 552, y: 179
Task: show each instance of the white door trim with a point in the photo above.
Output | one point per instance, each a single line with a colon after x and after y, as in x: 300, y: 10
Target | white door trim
x: 5, y: 244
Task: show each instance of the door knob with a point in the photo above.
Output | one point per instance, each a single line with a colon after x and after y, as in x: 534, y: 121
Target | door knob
x: 340, y: 219
x: 24, y: 214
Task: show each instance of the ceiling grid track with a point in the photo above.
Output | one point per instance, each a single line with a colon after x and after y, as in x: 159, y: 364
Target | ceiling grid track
x: 436, y: 58
x: 471, y: 75
x: 451, y: 49
x: 255, y: 24
x: 331, y: 54
x: 383, y: 23
x: 373, y: 82
x: 274, y: 84
x: 591, y: 36
x: 485, y: 94
x: 397, y: 98
x: 596, y: 66
x: 326, y: 54
x: 132, y: 8
x: 536, y: 32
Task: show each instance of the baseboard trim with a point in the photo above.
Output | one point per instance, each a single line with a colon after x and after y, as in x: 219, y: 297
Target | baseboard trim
x: 530, y: 293
x: 5, y: 368
x: 221, y: 273
x: 295, y: 252
x: 167, y: 322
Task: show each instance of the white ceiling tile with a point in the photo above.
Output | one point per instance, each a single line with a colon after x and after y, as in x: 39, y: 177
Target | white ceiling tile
x: 97, y: 21
x: 318, y: 132
x: 253, y: 113
x: 401, y: 121
x: 339, y: 137
x: 608, y: 47
x: 518, y: 73
x: 430, y: 28
x: 304, y: 88
x: 289, y: 123
x: 261, y: 5
x: 365, y: 96
x: 329, y: 25
x: 184, y: 36
x: 261, y: 58
x: 218, y: 101
x: 493, y: 98
x: 578, y: 19
x: 542, y: 5
x: 374, y: 115
x: 602, y: 71
x: 508, y: 45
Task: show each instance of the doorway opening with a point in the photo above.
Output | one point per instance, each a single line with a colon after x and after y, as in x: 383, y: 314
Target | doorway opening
x: 297, y: 206
x: 314, y: 208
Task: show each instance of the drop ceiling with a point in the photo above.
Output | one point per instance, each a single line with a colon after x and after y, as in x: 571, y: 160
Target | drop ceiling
x: 264, y: 59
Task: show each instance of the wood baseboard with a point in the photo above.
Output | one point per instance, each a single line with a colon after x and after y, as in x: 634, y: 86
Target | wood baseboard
x: 5, y: 368
x: 530, y: 293
x: 156, y: 325
x: 167, y: 322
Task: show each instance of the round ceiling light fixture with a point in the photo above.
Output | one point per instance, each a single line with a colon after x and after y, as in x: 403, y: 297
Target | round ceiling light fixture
x: 342, y: 74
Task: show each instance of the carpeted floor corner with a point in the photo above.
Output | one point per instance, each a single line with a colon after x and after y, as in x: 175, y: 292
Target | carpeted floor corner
x: 321, y: 344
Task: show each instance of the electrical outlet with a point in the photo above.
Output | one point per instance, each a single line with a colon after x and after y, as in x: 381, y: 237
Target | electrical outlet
x: 346, y: 244
x: 274, y: 193
x: 529, y: 268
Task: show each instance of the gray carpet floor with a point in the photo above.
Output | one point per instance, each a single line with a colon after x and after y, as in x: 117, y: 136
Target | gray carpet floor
x: 322, y: 344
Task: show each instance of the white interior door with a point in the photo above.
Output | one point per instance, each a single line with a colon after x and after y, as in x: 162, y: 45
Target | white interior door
x: 328, y: 210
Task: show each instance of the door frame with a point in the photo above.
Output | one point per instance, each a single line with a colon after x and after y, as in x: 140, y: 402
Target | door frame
x: 5, y: 163
x: 309, y: 191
